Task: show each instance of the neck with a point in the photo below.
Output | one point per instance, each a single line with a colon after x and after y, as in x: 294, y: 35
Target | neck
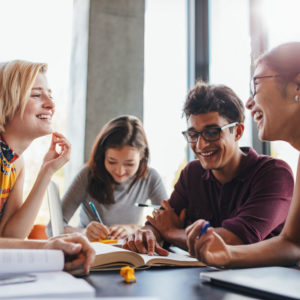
x: 16, y: 142
x: 231, y: 169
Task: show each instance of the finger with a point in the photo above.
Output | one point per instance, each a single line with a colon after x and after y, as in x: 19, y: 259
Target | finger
x: 192, y: 233
x: 150, y: 242
x: 139, y: 241
x: 131, y: 243
x: 160, y: 251
x: 182, y: 215
x: 165, y: 204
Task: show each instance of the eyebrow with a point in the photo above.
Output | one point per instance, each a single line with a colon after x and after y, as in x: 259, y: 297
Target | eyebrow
x: 41, y: 89
x: 206, y: 127
x: 127, y: 160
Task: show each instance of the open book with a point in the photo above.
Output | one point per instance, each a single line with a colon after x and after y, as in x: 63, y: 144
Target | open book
x: 112, y: 257
x: 38, y: 273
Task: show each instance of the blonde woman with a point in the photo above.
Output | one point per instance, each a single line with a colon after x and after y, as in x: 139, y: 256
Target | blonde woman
x: 27, y: 108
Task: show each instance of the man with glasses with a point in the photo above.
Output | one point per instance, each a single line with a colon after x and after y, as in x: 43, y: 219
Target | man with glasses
x: 245, y: 196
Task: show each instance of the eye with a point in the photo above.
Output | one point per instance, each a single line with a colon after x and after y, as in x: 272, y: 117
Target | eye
x: 129, y: 165
x: 36, y: 95
x: 211, y: 133
x: 111, y: 162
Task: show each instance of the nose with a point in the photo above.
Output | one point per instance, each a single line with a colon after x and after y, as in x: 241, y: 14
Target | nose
x: 48, y: 102
x: 250, y: 103
x: 120, y: 170
x: 201, y: 142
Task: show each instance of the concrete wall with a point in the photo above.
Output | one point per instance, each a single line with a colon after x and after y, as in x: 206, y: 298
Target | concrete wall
x: 115, y: 63
x: 107, y: 70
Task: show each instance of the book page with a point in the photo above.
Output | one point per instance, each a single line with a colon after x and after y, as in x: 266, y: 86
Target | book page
x: 49, y: 284
x: 30, y: 260
x: 171, y: 259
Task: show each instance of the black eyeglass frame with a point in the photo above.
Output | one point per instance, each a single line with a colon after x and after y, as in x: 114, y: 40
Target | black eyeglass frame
x: 198, y: 133
x: 253, y: 84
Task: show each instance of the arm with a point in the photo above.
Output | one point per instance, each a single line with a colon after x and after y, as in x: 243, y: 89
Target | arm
x: 72, y: 245
x: 18, y: 219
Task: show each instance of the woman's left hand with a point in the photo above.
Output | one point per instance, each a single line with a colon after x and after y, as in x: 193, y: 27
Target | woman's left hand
x: 55, y: 159
x: 121, y: 231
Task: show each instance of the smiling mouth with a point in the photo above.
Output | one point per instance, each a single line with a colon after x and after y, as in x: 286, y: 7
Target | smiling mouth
x: 44, y: 117
x: 207, y: 153
x: 258, y: 116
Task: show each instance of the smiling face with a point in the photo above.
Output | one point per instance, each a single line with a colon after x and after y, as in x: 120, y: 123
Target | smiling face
x: 273, y: 105
x: 214, y: 155
x: 122, y: 163
x: 37, y: 117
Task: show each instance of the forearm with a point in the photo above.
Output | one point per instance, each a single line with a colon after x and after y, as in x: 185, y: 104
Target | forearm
x: 177, y: 237
x: 6, y: 243
x: 21, y: 222
x: 275, y: 251
x: 228, y: 237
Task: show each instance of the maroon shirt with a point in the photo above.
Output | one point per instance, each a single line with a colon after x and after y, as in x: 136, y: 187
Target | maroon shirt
x: 253, y: 205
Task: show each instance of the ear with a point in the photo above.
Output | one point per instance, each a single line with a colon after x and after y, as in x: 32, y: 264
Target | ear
x: 297, y: 80
x: 239, y: 130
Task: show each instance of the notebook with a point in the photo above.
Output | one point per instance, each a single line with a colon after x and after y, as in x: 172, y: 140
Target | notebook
x: 37, y: 273
x: 267, y: 282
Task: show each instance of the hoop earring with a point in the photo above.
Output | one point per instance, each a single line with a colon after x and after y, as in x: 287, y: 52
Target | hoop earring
x: 297, y: 99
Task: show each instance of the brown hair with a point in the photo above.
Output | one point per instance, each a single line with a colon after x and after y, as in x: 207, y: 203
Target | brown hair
x: 205, y: 98
x: 119, y: 132
x: 283, y: 59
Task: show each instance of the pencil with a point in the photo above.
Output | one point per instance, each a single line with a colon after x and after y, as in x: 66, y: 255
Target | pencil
x: 147, y: 205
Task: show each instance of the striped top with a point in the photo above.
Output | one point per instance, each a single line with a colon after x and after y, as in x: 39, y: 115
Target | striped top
x: 8, y: 173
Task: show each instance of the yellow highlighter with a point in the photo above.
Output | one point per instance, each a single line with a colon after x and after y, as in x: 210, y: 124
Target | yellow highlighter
x: 108, y: 241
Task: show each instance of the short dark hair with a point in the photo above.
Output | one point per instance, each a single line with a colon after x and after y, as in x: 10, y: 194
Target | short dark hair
x: 283, y: 59
x: 205, y: 98
x: 117, y: 133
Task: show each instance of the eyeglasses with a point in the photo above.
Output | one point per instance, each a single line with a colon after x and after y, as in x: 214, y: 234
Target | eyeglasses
x: 253, y: 83
x: 208, y: 134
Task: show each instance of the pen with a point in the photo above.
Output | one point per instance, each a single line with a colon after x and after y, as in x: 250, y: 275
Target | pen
x: 95, y: 212
x: 147, y: 205
x: 203, y: 229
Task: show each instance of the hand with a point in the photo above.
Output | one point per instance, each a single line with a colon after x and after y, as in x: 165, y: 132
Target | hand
x: 166, y: 220
x: 53, y: 159
x: 143, y: 241
x: 96, y: 231
x: 209, y: 248
x: 121, y: 231
x: 76, y: 247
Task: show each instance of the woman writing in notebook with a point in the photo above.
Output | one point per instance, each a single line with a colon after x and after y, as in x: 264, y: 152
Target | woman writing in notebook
x: 27, y: 108
x: 114, y: 179
x: 275, y: 106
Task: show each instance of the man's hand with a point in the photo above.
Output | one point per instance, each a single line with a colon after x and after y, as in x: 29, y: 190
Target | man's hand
x: 144, y: 241
x: 209, y: 247
x: 166, y: 221
x: 76, y: 247
x: 96, y: 231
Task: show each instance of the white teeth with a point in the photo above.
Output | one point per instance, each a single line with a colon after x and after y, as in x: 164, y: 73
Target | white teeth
x: 258, y: 116
x: 44, y: 117
x: 207, y: 153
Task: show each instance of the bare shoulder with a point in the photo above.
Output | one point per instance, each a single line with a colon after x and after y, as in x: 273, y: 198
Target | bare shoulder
x: 19, y: 164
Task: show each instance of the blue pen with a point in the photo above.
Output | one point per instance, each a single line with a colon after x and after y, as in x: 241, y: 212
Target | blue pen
x: 95, y: 212
x: 203, y: 229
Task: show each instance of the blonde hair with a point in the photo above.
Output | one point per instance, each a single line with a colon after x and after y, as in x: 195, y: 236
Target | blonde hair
x: 16, y: 80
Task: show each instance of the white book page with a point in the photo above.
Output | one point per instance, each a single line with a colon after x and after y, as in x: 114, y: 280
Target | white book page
x: 171, y: 256
x: 49, y: 284
x: 30, y: 260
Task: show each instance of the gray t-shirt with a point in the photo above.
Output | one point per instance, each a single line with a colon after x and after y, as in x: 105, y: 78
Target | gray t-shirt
x: 123, y: 211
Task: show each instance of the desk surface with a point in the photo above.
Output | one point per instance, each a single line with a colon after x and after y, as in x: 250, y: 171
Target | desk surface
x: 163, y: 283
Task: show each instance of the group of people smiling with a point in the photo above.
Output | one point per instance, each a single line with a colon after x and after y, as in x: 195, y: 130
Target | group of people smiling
x: 249, y: 199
